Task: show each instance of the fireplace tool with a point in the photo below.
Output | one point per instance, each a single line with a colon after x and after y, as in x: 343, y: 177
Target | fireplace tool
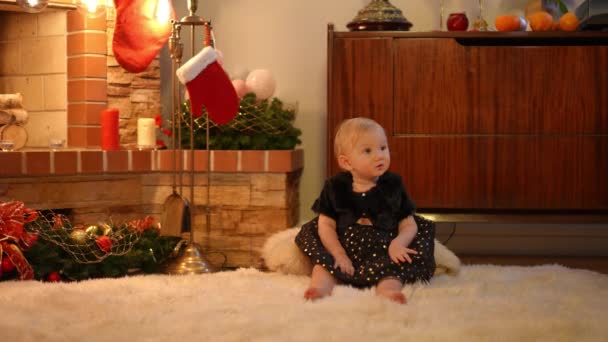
x: 176, y: 209
x: 191, y: 259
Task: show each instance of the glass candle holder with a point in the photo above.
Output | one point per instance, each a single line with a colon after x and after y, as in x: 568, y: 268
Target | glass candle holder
x: 441, y: 14
x: 7, y: 145
x: 56, y: 144
x: 480, y: 23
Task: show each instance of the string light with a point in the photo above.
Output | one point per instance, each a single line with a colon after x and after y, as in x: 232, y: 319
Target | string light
x: 33, y: 6
x: 91, y: 8
x: 162, y: 12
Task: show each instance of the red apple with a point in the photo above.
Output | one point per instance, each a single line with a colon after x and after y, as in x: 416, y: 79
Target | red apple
x: 457, y: 22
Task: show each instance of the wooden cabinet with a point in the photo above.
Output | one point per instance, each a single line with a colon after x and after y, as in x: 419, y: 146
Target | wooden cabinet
x: 481, y: 121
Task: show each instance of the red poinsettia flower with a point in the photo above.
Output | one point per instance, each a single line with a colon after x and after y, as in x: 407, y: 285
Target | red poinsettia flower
x: 29, y: 239
x: 13, y: 215
x: 158, y: 120
x: 143, y: 224
x: 104, y: 243
x: 7, y: 265
x: 13, y: 238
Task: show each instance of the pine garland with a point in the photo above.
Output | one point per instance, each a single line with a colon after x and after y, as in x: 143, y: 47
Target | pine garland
x: 146, y: 256
x: 47, y: 246
x: 259, y: 125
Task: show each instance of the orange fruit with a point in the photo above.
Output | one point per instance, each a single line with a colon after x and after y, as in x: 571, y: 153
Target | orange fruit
x: 507, y: 23
x: 568, y: 22
x: 541, y: 21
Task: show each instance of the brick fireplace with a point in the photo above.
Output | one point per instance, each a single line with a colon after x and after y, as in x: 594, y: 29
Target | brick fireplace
x: 62, y: 62
x: 253, y: 193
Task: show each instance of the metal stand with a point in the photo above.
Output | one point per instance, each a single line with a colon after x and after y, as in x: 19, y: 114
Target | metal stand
x: 191, y: 260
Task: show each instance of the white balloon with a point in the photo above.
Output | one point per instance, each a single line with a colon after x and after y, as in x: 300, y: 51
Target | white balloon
x: 261, y: 83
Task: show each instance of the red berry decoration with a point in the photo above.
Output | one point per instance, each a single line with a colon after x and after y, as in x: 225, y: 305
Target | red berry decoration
x: 7, y: 265
x: 457, y: 22
x: 53, y: 277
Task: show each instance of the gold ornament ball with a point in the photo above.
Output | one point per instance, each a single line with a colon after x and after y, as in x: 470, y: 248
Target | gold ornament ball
x: 93, y: 230
x: 79, y: 236
x: 106, y: 229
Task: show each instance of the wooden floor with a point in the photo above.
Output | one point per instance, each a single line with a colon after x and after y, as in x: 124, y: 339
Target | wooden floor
x: 598, y: 264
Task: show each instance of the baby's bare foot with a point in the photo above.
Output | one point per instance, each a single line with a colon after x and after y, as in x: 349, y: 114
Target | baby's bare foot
x: 394, y: 296
x: 313, y: 293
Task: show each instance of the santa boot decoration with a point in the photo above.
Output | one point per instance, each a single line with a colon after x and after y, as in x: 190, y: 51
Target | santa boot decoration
x: 209, y: 86
x: 142, y: 28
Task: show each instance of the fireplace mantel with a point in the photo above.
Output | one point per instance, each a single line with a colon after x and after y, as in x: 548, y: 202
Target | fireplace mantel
x: 45, y: 162
x: 11, y: 5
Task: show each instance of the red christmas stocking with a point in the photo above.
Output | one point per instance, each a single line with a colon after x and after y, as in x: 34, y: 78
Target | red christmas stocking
x: 209, y: 86
x: 142, y: 28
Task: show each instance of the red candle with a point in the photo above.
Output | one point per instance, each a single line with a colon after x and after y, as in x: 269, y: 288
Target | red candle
x: 109, y: 129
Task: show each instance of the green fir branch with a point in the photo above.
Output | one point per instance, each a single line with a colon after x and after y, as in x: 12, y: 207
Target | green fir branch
x: 146, y: 256
x: 251, y: 113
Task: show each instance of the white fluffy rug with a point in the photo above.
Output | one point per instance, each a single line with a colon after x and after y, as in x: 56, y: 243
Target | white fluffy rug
x: 488, y: 303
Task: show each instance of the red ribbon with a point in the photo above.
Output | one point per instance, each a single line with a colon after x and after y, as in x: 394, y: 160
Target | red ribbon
x: 13, y: 238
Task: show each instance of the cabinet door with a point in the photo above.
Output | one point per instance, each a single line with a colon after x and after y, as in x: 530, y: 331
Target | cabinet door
x: 540, y: 90
x: 501, y: 127
x: 360, y: 84
x: 434, y: 81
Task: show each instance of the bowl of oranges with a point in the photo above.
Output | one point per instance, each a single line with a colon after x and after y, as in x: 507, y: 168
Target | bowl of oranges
x: 538, y: 21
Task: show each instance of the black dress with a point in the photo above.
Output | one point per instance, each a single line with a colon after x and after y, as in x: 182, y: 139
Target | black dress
x: 385, y: 205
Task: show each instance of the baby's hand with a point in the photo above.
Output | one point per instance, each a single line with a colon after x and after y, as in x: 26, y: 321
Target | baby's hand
x: 399, y: 253
x: 344, y: 264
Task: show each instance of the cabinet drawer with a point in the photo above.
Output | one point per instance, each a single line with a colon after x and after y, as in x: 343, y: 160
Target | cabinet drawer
x: 442, y: 87
x: 504, y: 172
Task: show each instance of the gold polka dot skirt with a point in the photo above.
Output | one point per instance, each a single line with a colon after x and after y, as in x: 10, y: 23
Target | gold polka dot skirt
x: 367, y: 248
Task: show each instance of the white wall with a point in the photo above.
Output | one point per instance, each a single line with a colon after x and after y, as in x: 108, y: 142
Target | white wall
x: 289, y: 38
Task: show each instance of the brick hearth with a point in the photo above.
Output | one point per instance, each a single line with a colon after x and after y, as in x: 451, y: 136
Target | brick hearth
x: 253, y: 193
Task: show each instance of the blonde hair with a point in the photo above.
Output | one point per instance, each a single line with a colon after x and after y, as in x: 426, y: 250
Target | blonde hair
x: 350, y: 130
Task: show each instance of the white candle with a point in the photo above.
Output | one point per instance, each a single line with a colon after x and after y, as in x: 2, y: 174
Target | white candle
x: 146, y: 132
